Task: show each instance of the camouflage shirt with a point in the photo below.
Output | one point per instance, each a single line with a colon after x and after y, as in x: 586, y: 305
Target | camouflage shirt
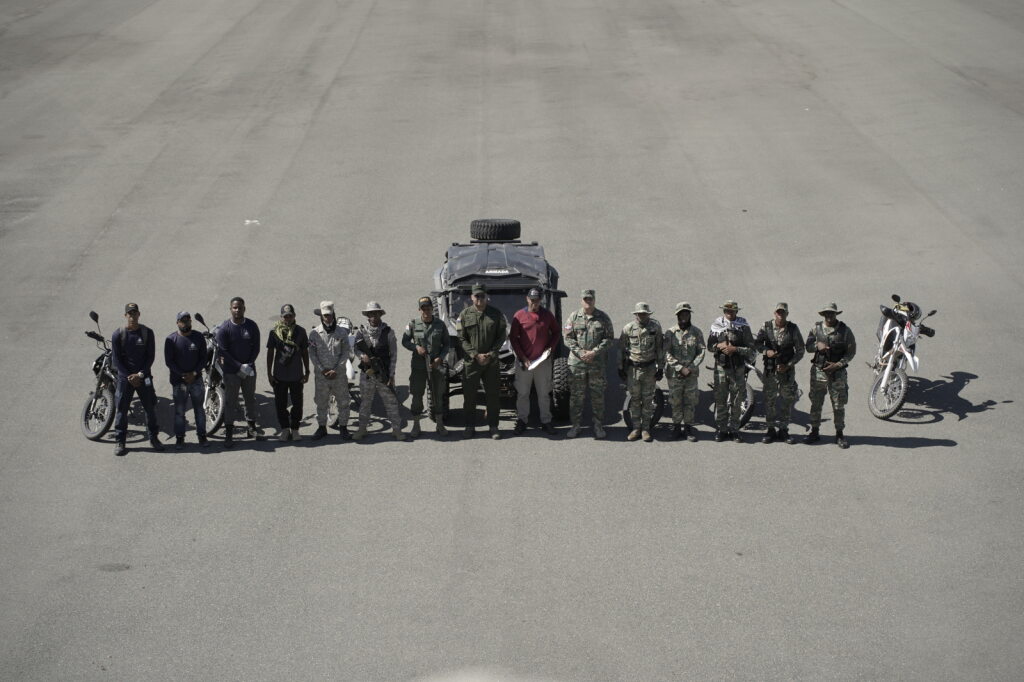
x: 643, y: 345
x: 684, y: 348
x: 584, y: 332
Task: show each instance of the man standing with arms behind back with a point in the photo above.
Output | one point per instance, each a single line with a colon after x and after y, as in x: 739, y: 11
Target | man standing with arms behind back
x: 588, y: 335
x: 534, y: 332
x: 132, y: 351
x: 239, y: 341
x: 482, y: 331
x: 185, y: 356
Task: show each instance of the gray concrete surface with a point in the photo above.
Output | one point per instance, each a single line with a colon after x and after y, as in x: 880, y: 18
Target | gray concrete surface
x: 180, y: 153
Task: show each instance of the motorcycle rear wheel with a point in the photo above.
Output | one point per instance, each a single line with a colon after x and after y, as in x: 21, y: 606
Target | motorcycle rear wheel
x: 885, y: 401
x: 658, y: 413
x: 98, y: 414
x: 747, y: 406
x: 214, y: 407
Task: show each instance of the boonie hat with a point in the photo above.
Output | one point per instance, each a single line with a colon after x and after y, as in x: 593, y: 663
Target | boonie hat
x: 588, y: 293
x: 782, y: 306
x: 731, y: 305
x: 680, y: 307
x: 424, y: 301
x: 533, y: 293
x: 479, y: 288
x: 287, y: 309
x: 131, y: 308
x: 182, y: 315
x: 326, y: 307
x: 373, y: 307
x: 830, y: 308
x: 641, y: 307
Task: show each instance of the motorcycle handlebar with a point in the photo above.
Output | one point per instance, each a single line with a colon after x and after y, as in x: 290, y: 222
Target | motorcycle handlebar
x: 94, y: 336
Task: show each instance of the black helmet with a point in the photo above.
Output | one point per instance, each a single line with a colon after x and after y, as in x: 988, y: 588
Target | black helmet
x: 911, y: 310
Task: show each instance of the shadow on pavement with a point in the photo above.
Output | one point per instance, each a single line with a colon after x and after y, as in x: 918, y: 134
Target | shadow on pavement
x: 898, y: 442
x: 941, y: 397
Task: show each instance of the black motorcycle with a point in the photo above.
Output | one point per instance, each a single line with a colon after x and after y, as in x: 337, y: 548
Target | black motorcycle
x: 98, y: 412
x: 213, y: 380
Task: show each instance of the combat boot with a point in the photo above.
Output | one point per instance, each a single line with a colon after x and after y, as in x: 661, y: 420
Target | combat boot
x: 229, y: 436
x: 120, y: 450
x: 721, y: 435
x: 399, y: 435
x: 251, y: 430
x: 360, y: 433
x: 737, y: 437
x: 770, y: 436
x: 690, y: 433
x: 646, y: 435
x: 155, y: 443
x: 470, y: 432
x: 677, y: 432
x: 573, y: 431
x: 599, y: 431
x: 179, y: 443
x: 345, y: 435
x: 321, y: 432
x: 548, y: 429
x: 634, y: 435
x: 519, y: 428
x: 294, y: 435
x: 414, y: 432
x: 841, y: 440
x: 784, y: 435
x: 495, y: 434
x: 813, y: 436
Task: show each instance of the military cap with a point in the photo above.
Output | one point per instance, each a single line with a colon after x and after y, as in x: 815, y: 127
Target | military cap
x: 326, y: 307
x: 782, y: 306
x: 424, y: 301
x: 479, y: 288
x: 731, y: 305
x: 373, y: 307
x: 830, y: 308
x: 641, y: 307
x: 588, y: 293
x: 680, y: 307
x: 287, y: 309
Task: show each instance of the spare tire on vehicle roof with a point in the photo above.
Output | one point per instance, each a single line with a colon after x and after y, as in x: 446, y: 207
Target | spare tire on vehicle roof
x: 494, y: 229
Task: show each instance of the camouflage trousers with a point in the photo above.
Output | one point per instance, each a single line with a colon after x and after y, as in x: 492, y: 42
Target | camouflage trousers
x: 683, y: 395
x: 779, y: 388
x: 581, y: 378
x: 323, y: 389
x: 730, y: 390
x: 641, y: 384
x: 838, y: 391
x: 370, y: 387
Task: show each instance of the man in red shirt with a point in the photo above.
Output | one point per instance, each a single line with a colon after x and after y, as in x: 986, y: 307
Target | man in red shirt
x: 534, y: 335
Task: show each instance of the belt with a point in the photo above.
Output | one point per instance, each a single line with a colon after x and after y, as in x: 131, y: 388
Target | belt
x: 645, y: 364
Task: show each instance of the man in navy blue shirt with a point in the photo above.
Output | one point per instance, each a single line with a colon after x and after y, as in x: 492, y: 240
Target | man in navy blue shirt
x: 239, y: 341
x: 133, y: 350
x: 185, y: 355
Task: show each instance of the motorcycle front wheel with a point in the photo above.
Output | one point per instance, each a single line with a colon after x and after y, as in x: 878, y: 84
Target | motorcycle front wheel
x: 747, y: 406
x: 885, y: 401
x: 98, y: 414
x: 214, y: 406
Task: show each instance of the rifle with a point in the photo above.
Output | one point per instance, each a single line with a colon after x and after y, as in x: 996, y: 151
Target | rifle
x: 375, y: 369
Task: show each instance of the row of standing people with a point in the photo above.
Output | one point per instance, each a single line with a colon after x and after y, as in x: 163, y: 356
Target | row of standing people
x: 648, y: 353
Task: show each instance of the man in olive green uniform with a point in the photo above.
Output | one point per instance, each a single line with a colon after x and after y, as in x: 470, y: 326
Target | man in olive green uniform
x: 588, y: 335
x: 427, y: 338
x: 641, y: 366
x: 684, y: 351
x: 482, y: 330
x: 833, y: 346
x: 780, y: 343
x: 733, y: 345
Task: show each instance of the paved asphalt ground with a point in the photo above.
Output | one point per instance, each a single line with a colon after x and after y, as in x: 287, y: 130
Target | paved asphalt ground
x: 180, y: 153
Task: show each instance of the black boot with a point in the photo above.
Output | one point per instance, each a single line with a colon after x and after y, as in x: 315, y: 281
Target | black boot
x: 179, y: 443
x: 251, y: 430
x: 736, y: 437
x: 519, y: 428
x: 154, y: 442
x: 784, y: 435
x: 721, y: 435
x: 229, y: 436
x: 841, y: 440
x: 770, y: 436
x: 120, y: 450
x: 320, y: 432
x: 690, y: 434
x: 677, y: 432
x: 813, y: 436
x: 345, y: 435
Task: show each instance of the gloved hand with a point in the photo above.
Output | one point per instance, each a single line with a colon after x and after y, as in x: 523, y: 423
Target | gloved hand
x: 659, y: 374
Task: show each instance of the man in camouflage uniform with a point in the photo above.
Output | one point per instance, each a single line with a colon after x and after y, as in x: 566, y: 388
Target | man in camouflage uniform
x: 833, y: 346
x: 330, y: 351
x: 588, y: 335
x: 482, y: 331
x: 427, y: 338
x: 641, y: 367
x: 377, y: 348
x: 733, y: 345
x: 780, y: 343
x: 684, y: 351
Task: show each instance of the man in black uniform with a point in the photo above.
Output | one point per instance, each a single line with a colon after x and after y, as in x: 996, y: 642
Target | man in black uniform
x: 133, y: 350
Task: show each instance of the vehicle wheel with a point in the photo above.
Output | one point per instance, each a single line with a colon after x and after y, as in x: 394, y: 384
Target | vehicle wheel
x: 747, y: 406
x: 98, y: 414
x: 560, y: 388
x: 885, y: 401
x: 494, y: 230
x: 214, y: 406
x: 659, y: 410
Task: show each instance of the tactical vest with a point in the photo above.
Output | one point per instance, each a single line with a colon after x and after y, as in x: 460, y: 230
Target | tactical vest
x: 734, y: 336
x: 836, y: 341
x: 381, y: 349
x: 785, y: 351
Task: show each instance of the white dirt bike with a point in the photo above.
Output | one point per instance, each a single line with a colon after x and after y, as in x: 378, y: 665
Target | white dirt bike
x: 898, y: 332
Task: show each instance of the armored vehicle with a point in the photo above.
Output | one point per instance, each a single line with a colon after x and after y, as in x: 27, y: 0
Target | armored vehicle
x: 509, y: 268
